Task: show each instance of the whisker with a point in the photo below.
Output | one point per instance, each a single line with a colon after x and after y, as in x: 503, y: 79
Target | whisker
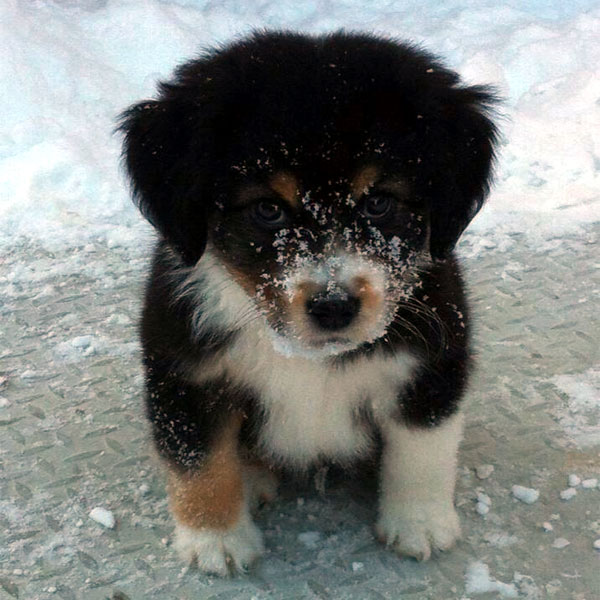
x: 427, y: 314
x: 395, y: 328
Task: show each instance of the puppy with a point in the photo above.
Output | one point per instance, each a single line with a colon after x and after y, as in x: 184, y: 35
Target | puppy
x: 304, y: 302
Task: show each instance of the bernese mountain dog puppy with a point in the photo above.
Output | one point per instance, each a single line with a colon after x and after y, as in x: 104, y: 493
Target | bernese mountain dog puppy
x: 304, y: 305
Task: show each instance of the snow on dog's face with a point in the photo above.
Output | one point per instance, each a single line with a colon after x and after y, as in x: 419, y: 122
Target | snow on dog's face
x: 325, y: 171
x: 325, y: 262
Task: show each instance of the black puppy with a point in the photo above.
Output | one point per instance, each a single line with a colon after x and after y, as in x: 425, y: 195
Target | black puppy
x: 304, y: 299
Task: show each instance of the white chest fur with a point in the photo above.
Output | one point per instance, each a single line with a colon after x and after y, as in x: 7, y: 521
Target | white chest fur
x: 311, y: 409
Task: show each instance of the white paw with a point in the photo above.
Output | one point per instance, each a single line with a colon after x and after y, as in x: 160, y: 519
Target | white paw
x: 220, y: 551
x: 415, y: 529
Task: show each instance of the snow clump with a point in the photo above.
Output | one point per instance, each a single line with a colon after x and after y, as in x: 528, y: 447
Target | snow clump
x: 525, y: 494
x: 103, y: 516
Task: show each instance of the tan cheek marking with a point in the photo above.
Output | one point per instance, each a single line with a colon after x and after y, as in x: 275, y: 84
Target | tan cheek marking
x: 242, y: 279
x: 363, y: 180
x: 212, y: 496
x: 270, y: 296
x: 370, y: 298
x: 250, y: 284
x: 275, y: 303
x: 297, y: 306
x: 286, y: 185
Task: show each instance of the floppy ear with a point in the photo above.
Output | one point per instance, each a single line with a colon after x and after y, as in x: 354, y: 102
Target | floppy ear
x: 157, y: 154
x: 465, y: 138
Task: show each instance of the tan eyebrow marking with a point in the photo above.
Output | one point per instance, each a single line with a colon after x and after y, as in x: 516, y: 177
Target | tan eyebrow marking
x: 286, y: 185
x: 396, y: 186
x: 364, y: 179
x: 368, y: 178
x: 250, y: 193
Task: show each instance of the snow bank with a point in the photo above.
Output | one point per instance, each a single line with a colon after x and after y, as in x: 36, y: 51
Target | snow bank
x: 69, y: 68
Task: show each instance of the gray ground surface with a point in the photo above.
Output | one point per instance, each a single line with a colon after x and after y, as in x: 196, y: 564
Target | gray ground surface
x: 73, y: 437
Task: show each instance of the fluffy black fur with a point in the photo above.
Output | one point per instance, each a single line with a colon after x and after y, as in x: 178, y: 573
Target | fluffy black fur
x: 221, y: 109
x: 320, y: 106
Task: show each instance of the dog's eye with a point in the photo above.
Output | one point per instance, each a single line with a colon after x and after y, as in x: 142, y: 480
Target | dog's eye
x: 376, y: 207
x: 270, y: 214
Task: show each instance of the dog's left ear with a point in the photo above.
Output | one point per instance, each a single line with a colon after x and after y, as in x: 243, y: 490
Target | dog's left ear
x: 157, y: 153
x: 465, y: 138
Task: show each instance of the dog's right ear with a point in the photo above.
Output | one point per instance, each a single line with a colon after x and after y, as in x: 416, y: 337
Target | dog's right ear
x: 157, y: 154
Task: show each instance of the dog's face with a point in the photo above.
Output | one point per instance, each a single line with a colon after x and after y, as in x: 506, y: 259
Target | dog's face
x: 327, y: 261
x: 326, y: 173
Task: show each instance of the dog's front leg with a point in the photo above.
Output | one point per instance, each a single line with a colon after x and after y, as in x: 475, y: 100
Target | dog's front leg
x: 196, y: 430
x: 210, y: 504
x: 418, y: 474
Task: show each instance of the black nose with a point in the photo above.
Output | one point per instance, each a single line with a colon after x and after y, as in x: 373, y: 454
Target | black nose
x: 333, y: 311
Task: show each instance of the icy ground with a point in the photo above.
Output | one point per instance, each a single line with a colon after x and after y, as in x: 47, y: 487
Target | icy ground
x: 74, y: 439
x: 73, y: 442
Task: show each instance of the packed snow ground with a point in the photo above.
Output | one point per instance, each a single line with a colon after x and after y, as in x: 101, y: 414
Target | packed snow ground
x: 73, y: 435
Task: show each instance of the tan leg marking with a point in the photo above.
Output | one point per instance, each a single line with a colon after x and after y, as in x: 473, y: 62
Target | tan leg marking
x: 213, y: 496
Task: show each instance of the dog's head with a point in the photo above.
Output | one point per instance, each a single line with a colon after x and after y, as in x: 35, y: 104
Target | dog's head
x: 325, y: 172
